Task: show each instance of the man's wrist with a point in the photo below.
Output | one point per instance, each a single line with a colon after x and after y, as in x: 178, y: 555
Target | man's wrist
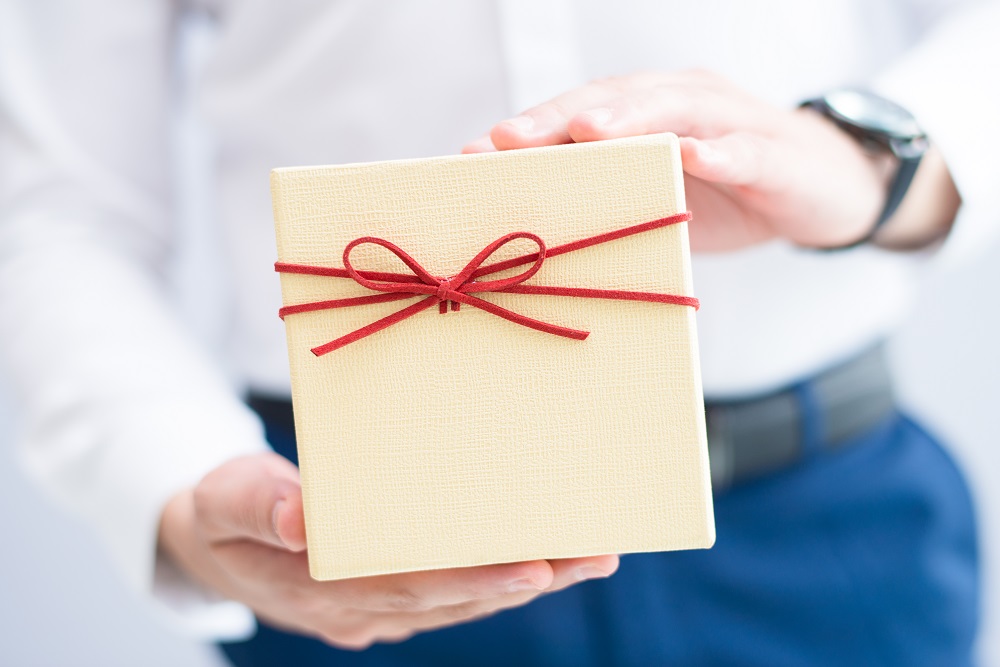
x: 926, y: 214
x: 179, y: 542
x: 919, y: 200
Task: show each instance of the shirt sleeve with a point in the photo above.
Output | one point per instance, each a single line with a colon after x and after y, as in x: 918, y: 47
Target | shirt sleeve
x: 949, y: 80
x: 119, y: 407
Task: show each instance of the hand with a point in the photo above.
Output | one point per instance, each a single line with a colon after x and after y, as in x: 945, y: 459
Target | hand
x: 241, y: 532
x: 753, y: 172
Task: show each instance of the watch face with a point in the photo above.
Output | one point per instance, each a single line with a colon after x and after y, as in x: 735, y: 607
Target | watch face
x: 871, y: 112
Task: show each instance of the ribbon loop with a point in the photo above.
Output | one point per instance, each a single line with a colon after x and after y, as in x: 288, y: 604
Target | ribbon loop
x: 429, y: 283
x: 503, y: 283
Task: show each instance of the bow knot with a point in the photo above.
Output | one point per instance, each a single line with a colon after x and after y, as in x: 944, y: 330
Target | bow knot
x: 459, y: 288
x: 456, y: 288
x: 444, y: 289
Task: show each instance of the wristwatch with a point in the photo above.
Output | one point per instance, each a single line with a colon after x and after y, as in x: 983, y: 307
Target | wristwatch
x: 880, y: 125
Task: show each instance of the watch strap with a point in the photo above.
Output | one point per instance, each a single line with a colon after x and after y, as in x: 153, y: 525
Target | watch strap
x: 897, y: 191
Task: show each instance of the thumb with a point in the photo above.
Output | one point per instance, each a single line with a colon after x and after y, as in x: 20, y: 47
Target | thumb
x: 253, y: 497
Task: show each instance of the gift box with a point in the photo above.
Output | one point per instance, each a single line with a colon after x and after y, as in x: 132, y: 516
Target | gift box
x: 493, y: 357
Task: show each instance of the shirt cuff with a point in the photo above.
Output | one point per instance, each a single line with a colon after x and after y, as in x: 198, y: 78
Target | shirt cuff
x: 181, y: 441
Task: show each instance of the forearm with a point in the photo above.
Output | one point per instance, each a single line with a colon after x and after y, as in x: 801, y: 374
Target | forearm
x: 118, y: 408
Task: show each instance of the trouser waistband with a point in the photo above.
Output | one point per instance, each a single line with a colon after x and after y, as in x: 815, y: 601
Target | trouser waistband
x: 752, y: 437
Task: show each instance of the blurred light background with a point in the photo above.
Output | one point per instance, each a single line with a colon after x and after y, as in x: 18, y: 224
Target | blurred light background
x: 62, y: 604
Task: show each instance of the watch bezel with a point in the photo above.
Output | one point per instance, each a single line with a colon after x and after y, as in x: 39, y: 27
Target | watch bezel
x: 874, y: 116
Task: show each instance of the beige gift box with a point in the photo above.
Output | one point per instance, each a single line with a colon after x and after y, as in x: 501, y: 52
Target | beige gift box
x: 465, y: 439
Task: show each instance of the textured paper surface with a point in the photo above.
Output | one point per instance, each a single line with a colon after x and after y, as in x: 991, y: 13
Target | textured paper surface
x: 463, y: 439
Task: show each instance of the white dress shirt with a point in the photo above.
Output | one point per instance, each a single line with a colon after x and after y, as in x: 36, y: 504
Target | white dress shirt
x: 121, y: 407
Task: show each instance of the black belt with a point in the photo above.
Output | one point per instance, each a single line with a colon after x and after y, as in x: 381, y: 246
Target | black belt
x: 750, y: 438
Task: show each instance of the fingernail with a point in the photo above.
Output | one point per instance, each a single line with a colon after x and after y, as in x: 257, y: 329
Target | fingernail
x: 707, y: 153
x: 274, y: 519
x: 522, y: 123
x: 599, y: 117
x: 523, y: 585
x: 588, y: 572
x: 480, y: 145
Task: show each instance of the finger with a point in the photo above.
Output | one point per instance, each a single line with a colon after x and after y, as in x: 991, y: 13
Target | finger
x: 254, y: 497
x: 566, y: 572
x: 394, y: 626
x: 684, y: 109
x: 421, y: 591
x: 481, y: 145
x: 734, y: 159
x: 569, y: 571
x: 604, y: 103
x: 363, y: 639
x: 546, y: 124
x: 290, y: 521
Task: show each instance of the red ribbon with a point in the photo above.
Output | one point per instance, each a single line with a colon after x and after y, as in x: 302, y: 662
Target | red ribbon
x: 459, y: 289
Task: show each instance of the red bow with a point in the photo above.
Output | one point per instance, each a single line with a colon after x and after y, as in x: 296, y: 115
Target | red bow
x: 458, y: 289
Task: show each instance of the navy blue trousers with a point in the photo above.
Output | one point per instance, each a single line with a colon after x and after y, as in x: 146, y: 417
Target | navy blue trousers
x: 865, y: 555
